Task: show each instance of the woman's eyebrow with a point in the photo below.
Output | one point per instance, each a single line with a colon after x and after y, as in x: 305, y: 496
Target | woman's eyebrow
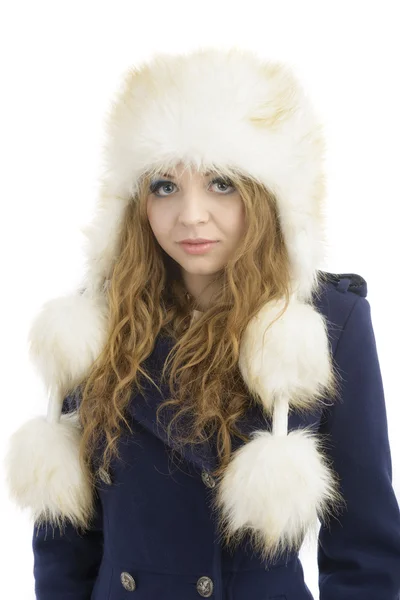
x: 173, y: 176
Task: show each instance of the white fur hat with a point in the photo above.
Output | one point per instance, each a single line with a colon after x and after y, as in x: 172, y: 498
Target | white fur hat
x: 207, y: 107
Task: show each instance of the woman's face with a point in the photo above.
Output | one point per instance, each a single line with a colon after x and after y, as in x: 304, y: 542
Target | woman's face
x: 190, y: 205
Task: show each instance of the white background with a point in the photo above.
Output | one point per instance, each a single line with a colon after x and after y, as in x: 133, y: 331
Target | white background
x: 60, y: 63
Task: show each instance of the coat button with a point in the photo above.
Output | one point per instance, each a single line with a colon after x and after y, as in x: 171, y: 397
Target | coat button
x: 127, y: 581
x: 208, y: 480
x: 205, y: 587
x: 104, y: 476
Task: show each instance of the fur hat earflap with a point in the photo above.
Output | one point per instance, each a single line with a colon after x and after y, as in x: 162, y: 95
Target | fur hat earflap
x: 42, y: 464
x: 279, y: 485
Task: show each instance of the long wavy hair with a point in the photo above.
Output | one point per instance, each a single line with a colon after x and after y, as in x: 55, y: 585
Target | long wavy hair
x: 147, y: 298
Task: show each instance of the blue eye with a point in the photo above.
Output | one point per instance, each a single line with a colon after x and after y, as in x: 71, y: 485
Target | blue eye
x: 226, y: 182
x: 156, y: 185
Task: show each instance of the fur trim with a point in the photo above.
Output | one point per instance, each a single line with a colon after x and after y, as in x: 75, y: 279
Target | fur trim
x: 66, y: 337
x: 276, y: 487
x: 291, y: 359
x: 278, y: 483
x: 44, y: 473
x: 43, y: 469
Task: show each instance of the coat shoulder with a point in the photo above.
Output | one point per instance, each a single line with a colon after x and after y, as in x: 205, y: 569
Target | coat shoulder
x: 335, y: 299
x: 344, y: 283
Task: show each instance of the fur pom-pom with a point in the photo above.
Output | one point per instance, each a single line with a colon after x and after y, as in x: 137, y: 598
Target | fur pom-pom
x: 291, y: 359
x: 66, y: 337
x: 276, y: 488
x: 43, y: 472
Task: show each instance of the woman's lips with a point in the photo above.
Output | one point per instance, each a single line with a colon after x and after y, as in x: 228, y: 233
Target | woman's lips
x: 197, y: 248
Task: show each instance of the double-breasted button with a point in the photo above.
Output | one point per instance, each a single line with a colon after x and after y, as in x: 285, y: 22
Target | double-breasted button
x: 205, y: 587
x: 208, y: 480
x: 104, y: 476
x: 127, y: 581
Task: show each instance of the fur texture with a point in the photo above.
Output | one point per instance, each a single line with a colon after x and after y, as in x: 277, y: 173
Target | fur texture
x: 44, y: 472
x: 227, y: 108
x: 291, y: 360
x: 276, y: 488
x: 66, y: 337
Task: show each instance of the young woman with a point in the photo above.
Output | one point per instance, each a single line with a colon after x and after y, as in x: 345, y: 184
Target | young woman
x: 215, y: 405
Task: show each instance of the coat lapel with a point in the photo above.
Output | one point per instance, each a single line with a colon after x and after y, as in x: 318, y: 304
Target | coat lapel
x: 143, y: 410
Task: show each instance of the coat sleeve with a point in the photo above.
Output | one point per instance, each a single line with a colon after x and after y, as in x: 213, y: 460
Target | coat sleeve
x: 66, y: 565
x: 359, y: 551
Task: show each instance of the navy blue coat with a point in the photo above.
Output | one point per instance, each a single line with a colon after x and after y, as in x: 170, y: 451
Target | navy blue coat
x: 155, y: 531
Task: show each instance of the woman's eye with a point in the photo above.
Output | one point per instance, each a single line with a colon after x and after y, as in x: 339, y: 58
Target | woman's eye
x: 158, y: 185
x: 224, y: 182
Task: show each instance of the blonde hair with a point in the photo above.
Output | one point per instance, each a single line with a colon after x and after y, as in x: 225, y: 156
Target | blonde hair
x: 147, y: 298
